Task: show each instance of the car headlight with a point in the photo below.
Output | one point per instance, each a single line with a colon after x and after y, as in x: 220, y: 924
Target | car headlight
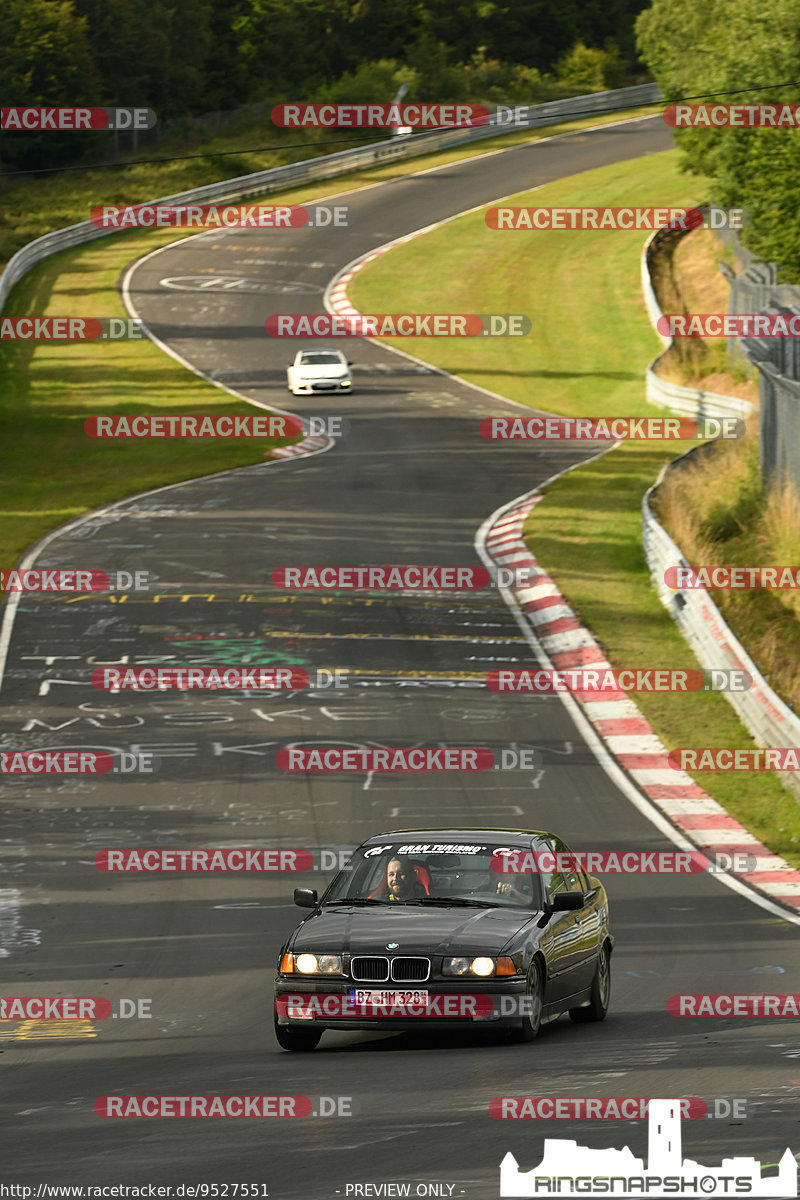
x: 311, y: 964
x: 482, y: 966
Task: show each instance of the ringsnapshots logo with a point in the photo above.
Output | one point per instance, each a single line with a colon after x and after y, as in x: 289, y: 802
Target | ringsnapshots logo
x: 74, y: 120
x: 567, y: 1169
x: 401, y: 577
x: 413, y: 325
x: 220, y: 216
x: 724, y: 116
x: 613, y: 429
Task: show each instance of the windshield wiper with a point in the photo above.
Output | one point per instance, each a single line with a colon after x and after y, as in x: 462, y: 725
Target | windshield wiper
x: 358, y: 900
x: 449, y: 901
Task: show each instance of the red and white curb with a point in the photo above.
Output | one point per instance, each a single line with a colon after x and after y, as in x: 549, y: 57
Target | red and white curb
x: 616, y: 719
x: 309, y: 445
x: 622, y: 727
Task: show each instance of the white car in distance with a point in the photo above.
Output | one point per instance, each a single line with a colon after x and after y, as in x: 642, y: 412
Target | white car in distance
x: 318, y: 369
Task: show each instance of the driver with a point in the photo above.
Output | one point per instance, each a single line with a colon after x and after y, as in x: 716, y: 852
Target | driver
x: 518, y: 888
x: 402, y: 880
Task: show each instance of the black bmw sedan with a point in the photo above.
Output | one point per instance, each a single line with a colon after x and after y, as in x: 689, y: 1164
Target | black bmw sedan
x: 452, y: 928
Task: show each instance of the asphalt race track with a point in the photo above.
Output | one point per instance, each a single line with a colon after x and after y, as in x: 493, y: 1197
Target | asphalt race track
x: 410, y: 483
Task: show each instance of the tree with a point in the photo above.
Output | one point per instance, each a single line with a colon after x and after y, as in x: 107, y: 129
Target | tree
x: 736, y: 47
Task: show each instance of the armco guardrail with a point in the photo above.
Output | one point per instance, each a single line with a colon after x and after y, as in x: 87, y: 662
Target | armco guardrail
x: 769, y: 719
x: 688, y: 402
x: 275, y: 178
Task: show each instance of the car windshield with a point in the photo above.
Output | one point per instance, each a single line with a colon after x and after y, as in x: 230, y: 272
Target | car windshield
x: 437, y: 873
x: 322, y: 358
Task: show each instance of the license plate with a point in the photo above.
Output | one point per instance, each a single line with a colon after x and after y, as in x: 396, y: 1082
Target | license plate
x: 363, y: 996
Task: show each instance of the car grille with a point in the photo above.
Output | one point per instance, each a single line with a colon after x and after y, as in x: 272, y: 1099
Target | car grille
x: 370, y: 970
x: 410, y: 970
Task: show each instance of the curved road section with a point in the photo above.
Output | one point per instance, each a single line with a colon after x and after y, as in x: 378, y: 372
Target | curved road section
x: 411, y: 482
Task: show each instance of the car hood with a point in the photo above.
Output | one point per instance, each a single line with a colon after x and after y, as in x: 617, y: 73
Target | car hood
x: 416, y: 929
x: 321, y: 370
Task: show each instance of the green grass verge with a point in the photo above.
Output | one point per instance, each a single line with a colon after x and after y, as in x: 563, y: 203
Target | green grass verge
x: 586, y: 355
x: 50, y: 471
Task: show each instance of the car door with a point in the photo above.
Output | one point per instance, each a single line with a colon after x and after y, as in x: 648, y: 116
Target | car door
x: 587, y: 930
x: 561, y: 939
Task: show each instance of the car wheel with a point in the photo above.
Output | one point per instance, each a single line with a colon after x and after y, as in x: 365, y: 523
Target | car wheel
x: 601, y: 991
x: 531, y: 1020
x: 291, y: 1038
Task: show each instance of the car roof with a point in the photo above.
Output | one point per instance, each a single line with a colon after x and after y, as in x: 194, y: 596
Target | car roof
x: 462, y: 832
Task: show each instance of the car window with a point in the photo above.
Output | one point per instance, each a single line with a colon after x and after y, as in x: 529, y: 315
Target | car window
x: 321, y: 358
x: 574, y: 880
x: 552, y: 880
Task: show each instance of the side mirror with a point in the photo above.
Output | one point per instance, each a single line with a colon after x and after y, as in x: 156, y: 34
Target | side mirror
x: 565, y: 901
x: 305, y: 897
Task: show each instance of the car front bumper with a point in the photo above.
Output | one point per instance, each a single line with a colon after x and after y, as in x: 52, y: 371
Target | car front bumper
x: 327, y: 1004
x: 315, y: 387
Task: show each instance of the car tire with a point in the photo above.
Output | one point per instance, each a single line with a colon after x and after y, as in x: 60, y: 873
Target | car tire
x: 291, y: 1038
x: 601, y: 991
x: 530, y: 1022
